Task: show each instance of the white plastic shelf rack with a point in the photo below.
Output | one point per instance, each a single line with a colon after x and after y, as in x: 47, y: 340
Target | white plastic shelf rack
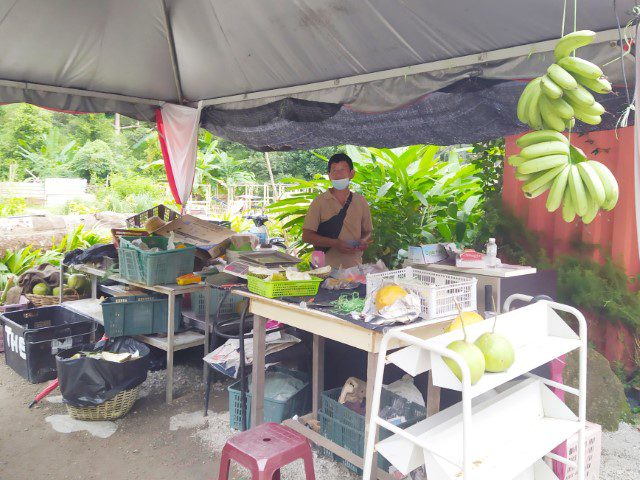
x: 503, y: 427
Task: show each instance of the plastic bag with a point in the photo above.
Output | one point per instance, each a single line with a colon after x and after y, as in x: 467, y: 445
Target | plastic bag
x: 88, y: 382
x: 406, y: 389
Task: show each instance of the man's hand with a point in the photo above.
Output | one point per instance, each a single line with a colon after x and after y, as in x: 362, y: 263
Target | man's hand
x: 344, y: 246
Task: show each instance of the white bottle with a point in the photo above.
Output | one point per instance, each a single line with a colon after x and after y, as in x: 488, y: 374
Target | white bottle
x: 492, y: 253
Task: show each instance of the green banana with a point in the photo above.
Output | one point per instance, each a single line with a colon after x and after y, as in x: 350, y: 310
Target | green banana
x: 592, y: 180
x: 589, y: 119
x: 539, y: 191
x: 549, y: 116
x: 609, y: 183
x: 525, y: 97
x: 578, y: 193
x: 571, y: 41
x: 554, y: 200
x: 542, y: 163
x: 568, y: 210
x: 592, y: 212
x: 561, y: 108
x: 595, y: 110
x: 523, y: 177
x: 545, y: 148
x: 579, y: 96
x: 549, y: 87
x: 515, y: 160
x: 580, y: 66
x: 540, y: 136
x: 541, y: 180
x: 598, y: 85
x: 561, y: 77
x: 533, y: 109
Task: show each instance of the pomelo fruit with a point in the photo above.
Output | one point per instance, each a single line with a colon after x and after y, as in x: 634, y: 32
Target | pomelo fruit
x: 497, y: 350
x: 388, y: 295
x: 468, y: 318
x: 473, y: 357
x: 78, y: 282
x: 41, y: 289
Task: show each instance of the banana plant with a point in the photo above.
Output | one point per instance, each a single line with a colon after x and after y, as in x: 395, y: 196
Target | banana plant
x: 417, y: 194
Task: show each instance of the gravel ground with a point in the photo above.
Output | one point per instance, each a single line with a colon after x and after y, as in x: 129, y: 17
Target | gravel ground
x: 621, y: 454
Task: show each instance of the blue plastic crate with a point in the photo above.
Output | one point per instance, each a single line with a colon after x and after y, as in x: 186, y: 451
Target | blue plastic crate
x: 230, y: 304
x: 154, y: 268
x: 274, y: 410
x: 138, y: 315
x: 345, y: 427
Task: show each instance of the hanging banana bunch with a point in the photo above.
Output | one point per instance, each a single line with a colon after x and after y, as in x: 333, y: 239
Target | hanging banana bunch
x: 580, y: 186
x: 547, y: 161
x: 555, y: 100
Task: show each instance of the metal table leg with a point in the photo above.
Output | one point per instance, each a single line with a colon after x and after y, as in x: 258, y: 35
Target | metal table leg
x: 170, y: 342
x: 207, y: 325
x: 258, y: 377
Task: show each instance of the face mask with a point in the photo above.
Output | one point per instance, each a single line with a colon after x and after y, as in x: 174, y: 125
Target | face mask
x: 340, y: 184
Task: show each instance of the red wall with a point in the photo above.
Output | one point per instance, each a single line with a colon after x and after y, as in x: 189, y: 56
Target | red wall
x: 615, y: 231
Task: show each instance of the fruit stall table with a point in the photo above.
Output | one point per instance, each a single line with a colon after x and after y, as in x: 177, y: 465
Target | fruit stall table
x: 173, y: 341
x: 323, y: 325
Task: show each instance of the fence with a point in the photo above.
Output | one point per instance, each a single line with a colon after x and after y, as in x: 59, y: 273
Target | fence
x: 50, y: 192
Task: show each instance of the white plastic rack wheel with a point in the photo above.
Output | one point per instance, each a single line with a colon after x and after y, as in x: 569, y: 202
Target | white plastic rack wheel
x: 503, y: 427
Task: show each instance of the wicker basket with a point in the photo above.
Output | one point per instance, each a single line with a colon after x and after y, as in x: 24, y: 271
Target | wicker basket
x: 46, y: 300
x: 112, y: 409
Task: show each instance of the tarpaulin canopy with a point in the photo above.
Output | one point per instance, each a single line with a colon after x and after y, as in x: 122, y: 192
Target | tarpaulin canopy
x: 284, y: 74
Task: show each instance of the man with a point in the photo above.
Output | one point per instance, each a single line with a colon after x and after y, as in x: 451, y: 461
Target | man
x: 339, y: 221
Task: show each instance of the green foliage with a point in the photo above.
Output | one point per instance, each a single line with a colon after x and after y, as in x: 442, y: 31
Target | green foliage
x: 80, y: 238
x: 15, y: 263
x: 12, y: 206
x: 21, y: 124
x: 52, y: 159
x: 415, y: 197
x: 94, y: 161
x: 600, y: 288
x: 516, y: 243
x: 489, y: 158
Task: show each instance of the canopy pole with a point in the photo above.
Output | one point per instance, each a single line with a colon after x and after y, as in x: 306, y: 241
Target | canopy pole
x: 172, y: 51
x: 81, y: 93
x: 482, y: 57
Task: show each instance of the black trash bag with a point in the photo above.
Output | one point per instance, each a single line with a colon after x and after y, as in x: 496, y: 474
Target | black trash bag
x: 88, y: 382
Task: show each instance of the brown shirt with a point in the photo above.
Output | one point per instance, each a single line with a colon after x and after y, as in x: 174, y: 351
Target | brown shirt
x: 356, y: 223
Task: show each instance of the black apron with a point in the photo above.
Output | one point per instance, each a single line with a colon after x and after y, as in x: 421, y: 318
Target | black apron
x: 332, y: 227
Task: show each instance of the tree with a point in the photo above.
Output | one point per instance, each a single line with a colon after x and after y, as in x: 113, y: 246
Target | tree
x: 94, y: 161
x: 21, y: 124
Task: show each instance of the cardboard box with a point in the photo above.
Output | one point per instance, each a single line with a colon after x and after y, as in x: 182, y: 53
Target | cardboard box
x: 430, y: 253
x: 205, y: 235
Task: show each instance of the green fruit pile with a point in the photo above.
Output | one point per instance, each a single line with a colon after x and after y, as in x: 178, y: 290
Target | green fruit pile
x: 555, y: 100
x: 581, y: 186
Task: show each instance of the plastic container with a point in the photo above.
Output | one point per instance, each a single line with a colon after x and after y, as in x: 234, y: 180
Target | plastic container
x: 438, y: 292
x: 138, y: 315
x: 229, y: 305
x: 160, y: 211
x: 492, y: 253
x: 300, y: 288
x: 154, y: 268
x: 593, y: 452
x: 274, y: 410
x: 345, y: 427
x: 33, y: 337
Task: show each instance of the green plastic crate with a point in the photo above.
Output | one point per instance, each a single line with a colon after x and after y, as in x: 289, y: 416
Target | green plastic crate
x: 345, y: 427
x: 274, y: 410
x: 154, y: 268
x: 138, y: 315
x: 289, y: 288
x: 229, y: 305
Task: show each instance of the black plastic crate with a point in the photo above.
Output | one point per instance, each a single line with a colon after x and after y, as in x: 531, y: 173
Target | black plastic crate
x: 33, y: 337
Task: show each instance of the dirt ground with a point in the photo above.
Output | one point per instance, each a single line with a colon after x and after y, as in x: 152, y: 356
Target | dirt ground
x: 155, y: 441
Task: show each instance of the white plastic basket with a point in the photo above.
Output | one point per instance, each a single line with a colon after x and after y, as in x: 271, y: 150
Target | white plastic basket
x: 438, y: 292
x: 592, y: 450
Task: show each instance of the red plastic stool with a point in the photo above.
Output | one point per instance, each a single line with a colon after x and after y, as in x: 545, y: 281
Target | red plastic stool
x: 264, y: 450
